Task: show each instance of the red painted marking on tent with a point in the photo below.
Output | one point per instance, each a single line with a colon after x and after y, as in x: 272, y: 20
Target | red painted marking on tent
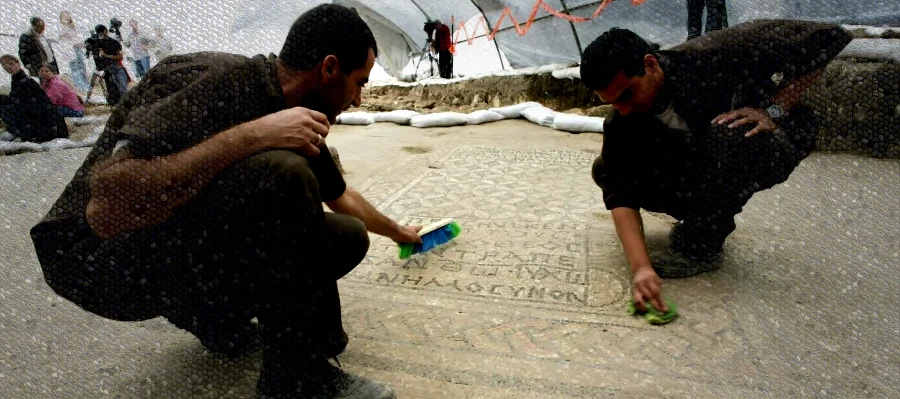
x: 520, y: 30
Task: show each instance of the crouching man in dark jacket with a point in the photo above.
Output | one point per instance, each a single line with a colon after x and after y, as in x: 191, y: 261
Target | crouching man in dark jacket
x: 698, y: 129
x: 202, y: 202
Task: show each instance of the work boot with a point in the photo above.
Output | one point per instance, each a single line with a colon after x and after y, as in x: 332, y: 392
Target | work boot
x: 351, y: 386
x: 323, y: 380
x: 669, y: 263
x: 226, y: 337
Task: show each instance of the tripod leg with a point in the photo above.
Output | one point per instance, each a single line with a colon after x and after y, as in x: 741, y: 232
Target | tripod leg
x: 91, y: 88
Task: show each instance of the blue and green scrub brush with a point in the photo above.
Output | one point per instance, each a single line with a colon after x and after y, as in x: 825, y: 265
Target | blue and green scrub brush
x: 433, y: 236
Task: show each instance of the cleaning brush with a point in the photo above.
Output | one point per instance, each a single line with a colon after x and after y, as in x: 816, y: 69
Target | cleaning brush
x: 433, y: 235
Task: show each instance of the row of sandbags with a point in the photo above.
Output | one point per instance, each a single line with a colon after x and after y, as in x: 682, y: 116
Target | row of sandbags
x: 532, y: 111
x: 9, y: 147
x: 16, y: 147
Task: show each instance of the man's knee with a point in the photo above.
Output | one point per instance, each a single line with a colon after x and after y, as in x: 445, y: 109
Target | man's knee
x: 597, y: 170
x: 349, y: 240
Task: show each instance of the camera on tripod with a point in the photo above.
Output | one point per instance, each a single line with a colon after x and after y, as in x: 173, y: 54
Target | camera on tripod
x: 114, y: 26
x: 429, y: 28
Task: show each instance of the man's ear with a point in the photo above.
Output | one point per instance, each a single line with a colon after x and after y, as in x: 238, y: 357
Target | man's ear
x: 330, y: 68
x: 651, y: 63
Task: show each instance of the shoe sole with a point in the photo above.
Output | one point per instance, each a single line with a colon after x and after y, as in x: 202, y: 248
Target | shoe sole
x: 685, y: 271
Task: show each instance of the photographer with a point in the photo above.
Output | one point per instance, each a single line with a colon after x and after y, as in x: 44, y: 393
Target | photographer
x: 107, y: 53
x: 441, y: 45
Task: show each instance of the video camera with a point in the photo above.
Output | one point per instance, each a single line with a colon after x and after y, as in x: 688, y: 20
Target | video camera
x: 114, y: 25
x: 90, y: 44
x: 429, y: 28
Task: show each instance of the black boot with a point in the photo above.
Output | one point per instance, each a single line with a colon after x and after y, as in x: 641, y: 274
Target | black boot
x: 670, y: 263
x: 314, y: 378
x: 229, y: 336
x: 683, y: 258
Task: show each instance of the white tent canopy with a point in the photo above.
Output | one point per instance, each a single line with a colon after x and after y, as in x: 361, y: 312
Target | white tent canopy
x: 252, y: 27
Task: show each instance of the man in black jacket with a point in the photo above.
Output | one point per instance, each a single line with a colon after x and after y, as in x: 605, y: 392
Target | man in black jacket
x: 35, y: 50
x: 108, y: 56
x: 27, y: 112
x: 202, y: 202
x: 698, y: 129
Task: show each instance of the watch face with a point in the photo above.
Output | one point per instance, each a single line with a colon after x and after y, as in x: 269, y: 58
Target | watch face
x: 775, y: 111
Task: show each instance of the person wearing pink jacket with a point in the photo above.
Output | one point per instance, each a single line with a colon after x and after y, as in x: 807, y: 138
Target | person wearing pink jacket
x: 67, y: 102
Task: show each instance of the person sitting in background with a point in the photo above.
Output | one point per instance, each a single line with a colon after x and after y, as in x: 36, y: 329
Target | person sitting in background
x: 27, y: 112
x: 60, y: 94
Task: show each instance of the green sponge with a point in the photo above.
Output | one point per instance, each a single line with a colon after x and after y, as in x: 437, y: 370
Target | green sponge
x: 653, y: 315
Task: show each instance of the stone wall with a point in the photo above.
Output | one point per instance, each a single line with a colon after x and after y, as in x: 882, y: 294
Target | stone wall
x: 858, y: 107
x: 857, y: 101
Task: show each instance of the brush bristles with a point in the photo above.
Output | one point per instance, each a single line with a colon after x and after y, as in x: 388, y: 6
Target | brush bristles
x: 431, y: 240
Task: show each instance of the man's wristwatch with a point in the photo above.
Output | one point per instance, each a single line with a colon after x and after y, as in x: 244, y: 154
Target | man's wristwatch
x: 775, y: 111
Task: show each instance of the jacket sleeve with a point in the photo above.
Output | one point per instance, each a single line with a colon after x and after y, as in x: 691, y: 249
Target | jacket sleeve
x: 793, y: 48
x: 28, y: 52
x: 759, y: 50
x: 615, y: 171
x: 173, y: 108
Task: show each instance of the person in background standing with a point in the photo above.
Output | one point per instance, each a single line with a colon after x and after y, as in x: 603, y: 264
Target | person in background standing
x: 716, y: 16
x: 161, y: 46
x: 70, y: 52
x: 34, y: 49
x: 442, y: 43
x: 139, y: 46
x: 108, y: 57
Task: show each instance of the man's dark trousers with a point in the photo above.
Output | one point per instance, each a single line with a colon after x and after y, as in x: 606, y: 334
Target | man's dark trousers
x: 255, y: 242
x: 445, y: 64
x: 716, y: 16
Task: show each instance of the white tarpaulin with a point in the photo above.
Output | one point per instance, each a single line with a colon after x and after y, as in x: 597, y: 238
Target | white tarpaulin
x: 251, y: 27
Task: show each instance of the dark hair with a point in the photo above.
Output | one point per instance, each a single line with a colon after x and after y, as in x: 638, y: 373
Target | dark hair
x: 35, y: 20
x: 328, y: 29
x: 9, y: 58
x: 46, y: 65
x: 615, y: 50
x: 99, y: 28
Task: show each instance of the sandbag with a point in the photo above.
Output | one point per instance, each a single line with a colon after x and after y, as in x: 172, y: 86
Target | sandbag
x: 13, y: 147
x: 568, y: 73
x: 60, y: 144
x: 483, y: 116
x: 356, y: 118
x: 440, y: 119
x: 400, y: 116
x: 87, y: 120
x: 541, y: 115
x: 515, y: 111
x: 578, y: 123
